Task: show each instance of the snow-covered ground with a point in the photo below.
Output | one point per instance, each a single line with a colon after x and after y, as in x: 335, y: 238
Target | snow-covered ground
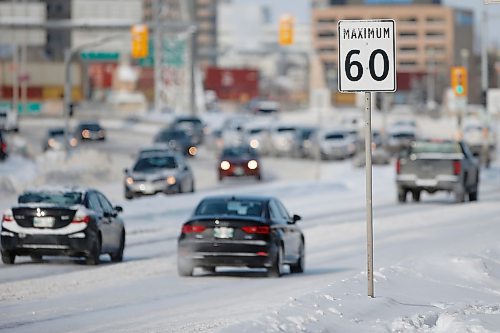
x: 437, y: 266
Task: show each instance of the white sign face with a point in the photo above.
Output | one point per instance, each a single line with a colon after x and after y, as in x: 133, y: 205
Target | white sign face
x: 367, y: 55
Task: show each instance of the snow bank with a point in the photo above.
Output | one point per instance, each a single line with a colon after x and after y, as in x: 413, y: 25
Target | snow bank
x: 438, y: 295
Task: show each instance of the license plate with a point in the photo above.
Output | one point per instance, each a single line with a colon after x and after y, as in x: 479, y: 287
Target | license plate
x: 147, y: 188
x: 223, y: 232
x: 43, y: 222
x: 238, y: 171
x: 426, y: 182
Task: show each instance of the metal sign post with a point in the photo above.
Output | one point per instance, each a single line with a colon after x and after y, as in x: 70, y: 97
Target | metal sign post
x: 367, y: 52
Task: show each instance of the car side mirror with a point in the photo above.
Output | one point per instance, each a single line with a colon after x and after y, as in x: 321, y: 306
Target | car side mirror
x: 118, y: 209
x: 125, y: 170
x: 296, y: 218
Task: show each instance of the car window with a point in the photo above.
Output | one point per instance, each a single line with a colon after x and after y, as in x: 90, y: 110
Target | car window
x: 243, y: 207
x: 52, y: 197
x: 274, y: 212
x: 93, y: 202
x: 284, y: 213
x: 155, y: 162
x: 105, y: 204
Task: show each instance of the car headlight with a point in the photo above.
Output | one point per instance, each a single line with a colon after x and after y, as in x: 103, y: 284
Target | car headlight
x: 52, y: 142
x: 129, y: 180
x: 192, y: 151
x: 225, y: 165
x: 252, y: 165
x: 73, y: 142
x: 171, y: 180
x: 254, y: 143
x: 86, y: 134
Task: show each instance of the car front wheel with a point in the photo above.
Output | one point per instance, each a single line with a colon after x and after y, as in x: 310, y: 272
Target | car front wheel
x: 93, y: 258
x: 299, y: 266
x: 118, y: 255
x: 184, y: 267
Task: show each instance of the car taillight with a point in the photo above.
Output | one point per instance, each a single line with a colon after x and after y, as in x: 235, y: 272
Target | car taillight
x: 7, y: 216
x: 253, y: 229
x: 4, y: 147
x: 457, y: 167
x: 81, y: 219
x: 398, y: 166
x: 189, y: 229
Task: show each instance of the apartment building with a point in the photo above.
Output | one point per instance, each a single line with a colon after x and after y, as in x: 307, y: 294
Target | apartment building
x: 430, y: 39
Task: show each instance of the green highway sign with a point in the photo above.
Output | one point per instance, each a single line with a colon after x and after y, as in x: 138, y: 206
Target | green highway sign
x: 99, y: 56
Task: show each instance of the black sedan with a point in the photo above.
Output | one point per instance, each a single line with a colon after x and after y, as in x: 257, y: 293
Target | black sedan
x: 241, y: 231
x: 90, y: 130
x: 62, y: 221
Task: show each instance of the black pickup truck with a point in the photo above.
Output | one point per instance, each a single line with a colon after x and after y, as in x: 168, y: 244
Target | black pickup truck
x: 437, y: 165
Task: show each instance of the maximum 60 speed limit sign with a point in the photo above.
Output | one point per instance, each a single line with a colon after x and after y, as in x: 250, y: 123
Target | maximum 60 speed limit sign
x: 367, y: 52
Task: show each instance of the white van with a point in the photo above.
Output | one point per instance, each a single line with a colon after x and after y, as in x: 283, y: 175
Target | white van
x: 8, y: 119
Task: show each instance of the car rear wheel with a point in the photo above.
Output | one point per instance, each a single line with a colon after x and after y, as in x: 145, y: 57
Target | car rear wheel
x: 402, y: 195
x: 416, y: 195
x: 118, y: 256
x: 473, y: 196
x: 192, y: 186
x: 93, y: 258
x: 36, y: 258
x: 276, y: 269
x: 185, y: 267
x: 459, y: 195
x: 299, y: 266
x: 8, y: 257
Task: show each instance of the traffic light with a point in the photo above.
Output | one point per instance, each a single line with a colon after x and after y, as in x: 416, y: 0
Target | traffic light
x: 459, y: 81
x: 139, y: 34
x: 286, y: 30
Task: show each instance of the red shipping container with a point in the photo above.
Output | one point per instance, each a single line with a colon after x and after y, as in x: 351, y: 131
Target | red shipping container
x: 101, y: 74
x: 240, y: 84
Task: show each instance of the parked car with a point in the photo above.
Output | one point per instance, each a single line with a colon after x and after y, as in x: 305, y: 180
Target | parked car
x: 282, y: 139
x: 8, y: 119
x: 67, y: 221
x: 54, y: 139
x: 154, y: 173
x: 336, y: 143
x: 379, y: 154
x: 178, y: 140
x: 437, y: 165
x: 257, y: 136
x: 239, y: 161
x: 90, y: 131
x: 3, y: 147
x: 303, y: 141
x: 192, y: 126
x: 241, y: 231
x: 400, y: 138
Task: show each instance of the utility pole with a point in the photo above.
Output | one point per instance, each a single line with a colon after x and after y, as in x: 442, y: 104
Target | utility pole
x: 193, y: 59
x: 158, y: 48
x: 484, y: 55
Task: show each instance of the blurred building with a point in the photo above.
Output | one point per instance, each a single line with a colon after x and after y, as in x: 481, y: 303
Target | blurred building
x: 205, y: 13
x: 430, y: 40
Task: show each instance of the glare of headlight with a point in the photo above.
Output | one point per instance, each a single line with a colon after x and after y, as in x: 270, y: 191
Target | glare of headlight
x: 129, y: 180
x: 86, y: 134
x: 101, y: 133
x: 225, y: 165
x: 73, y: 142
x: 171, y: 180
x: 52, y: 142
x: 254, y: 143
x: 192, y: 151
x: 252, y: 165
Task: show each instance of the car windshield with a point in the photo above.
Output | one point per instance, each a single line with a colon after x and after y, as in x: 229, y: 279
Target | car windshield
x: 56, y: 132
x: 58, y: 198
x: 172, y: 135
x: 189, y: 121
x: 91, y: 127
x: 436, y: 147
x: 335, y: 136
x: 155, y: 162
x: 230, y: 207
x: 403, y: 136
x: 238, y: 151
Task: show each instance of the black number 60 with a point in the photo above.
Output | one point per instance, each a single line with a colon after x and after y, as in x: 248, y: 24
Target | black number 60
x: 371, y: 65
